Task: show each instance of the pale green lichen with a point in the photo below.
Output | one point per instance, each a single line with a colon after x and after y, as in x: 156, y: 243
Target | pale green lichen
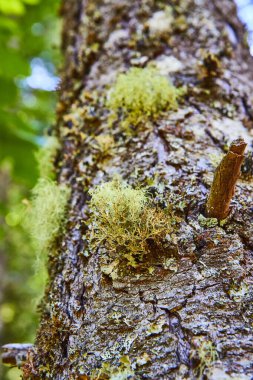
x: 122, y: 372
x: 156, y: 328
x: 46, y: 212
x: 205, y: 353
x: 207, y: 222
x: 215, y: 159
x: 171, y: 264
x: 142, y: 94
x: 46, y: 156
x: 125, y: 221
x: 143, y: 359
x: 111, y: 269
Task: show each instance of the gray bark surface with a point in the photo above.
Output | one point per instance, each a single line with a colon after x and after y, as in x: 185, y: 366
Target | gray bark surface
x: 197, y: 297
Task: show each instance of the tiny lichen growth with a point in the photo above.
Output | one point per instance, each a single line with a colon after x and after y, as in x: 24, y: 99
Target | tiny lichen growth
x: 122, y: 372
x: 207, y: 222
x: 238, y: 292
x: 125, y: 221
x: 141, y: 94
x: 215, y: 159
x: 46, y: 156
x: 161, y: 22
x: 46, y: 212
x: 105, y: 145
x: 156, y: 328
x: 205, y: 354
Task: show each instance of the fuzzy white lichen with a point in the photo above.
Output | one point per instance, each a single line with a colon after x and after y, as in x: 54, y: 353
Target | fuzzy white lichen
x: 124, y: 220
x: 141, y: 94
x: 45, y: 157
x: 167, y: 65
x: 161, y: 22
x: 46, y: 212
x: 205, y: 353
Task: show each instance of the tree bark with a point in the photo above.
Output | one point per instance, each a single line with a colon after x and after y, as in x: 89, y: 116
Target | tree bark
x: 190, y: 316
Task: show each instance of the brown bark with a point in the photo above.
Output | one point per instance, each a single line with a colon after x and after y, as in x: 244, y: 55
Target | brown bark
x: 186, y: 311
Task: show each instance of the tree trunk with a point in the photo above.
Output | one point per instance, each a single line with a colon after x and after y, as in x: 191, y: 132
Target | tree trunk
x: 186, y: 311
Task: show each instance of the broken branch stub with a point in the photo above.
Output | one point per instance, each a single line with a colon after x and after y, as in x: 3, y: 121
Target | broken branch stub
x: 225, y: 177
x: 15, y: 354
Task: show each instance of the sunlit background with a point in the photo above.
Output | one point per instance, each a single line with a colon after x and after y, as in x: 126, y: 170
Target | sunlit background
x: 245, y: 13
x: 29, y: 55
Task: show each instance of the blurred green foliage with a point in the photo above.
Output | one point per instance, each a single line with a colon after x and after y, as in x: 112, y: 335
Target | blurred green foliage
x: 28, y: 29
x: 29, y: 52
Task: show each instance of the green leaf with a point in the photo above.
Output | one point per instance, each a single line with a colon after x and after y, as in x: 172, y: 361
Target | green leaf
x: 8, y: 93
x: 12, y: 63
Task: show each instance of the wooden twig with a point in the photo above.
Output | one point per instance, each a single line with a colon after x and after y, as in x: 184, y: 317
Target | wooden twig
x: 225, y: 177
x: 15, y: 354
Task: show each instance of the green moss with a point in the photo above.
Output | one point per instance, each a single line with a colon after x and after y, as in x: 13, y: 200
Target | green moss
x: 46, y: 157
x: 141, y: 94
x: 125, y: 221
x: 46, y: 212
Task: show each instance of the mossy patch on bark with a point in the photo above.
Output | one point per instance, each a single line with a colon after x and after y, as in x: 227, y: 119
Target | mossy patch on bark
x: 125, y: 221
x: 141, y: 94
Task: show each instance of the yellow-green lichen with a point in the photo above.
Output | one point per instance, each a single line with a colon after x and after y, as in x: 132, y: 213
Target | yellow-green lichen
x: 122, y: 372
x: 141, y: 94
x: 156, y: 328
x: 125, y: 221
x: 46, y: 157
x: 46, y: 212
x: 207, y: 222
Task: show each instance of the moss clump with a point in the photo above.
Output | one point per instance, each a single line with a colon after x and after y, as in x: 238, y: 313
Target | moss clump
x: 46, y: 213
x: 46, y: 157
x: 125, y: 220
x: 141, y: 94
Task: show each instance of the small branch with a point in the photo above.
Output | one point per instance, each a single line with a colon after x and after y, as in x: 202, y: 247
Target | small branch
x: 15, y: 354
x: 225, y: 177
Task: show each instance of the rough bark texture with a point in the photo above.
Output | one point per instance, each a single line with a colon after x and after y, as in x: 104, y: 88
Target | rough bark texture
x: 185, y: 312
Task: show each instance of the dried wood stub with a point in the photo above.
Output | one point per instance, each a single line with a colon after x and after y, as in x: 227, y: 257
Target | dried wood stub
x: 225, y: 177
